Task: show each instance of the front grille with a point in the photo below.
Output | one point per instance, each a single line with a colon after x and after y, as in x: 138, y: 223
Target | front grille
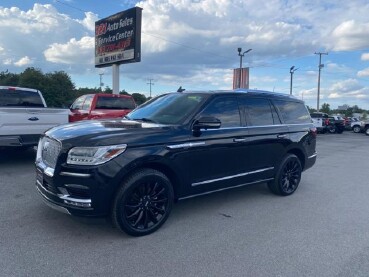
x: 50, y: 150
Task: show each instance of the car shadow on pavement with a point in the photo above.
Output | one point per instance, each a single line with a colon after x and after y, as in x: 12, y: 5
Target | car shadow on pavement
x: 17, y: 155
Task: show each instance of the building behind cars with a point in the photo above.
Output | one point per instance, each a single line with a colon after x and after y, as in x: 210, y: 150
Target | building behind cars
x: 175, y: 146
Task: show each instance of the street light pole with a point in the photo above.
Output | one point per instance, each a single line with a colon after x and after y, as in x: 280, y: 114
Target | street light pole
x: 101, y: 83
x: 320, y: 68
x: 241, y: 56
x: 292, y: 70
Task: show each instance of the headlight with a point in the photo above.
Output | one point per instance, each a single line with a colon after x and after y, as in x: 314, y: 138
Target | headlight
x: 94, y: 155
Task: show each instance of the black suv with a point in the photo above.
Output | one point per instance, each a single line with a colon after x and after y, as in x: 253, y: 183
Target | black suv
x: 175, y: 146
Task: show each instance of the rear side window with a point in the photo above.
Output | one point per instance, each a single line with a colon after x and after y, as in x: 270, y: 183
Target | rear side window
x: 115, y: 103
x: 260, y: 112
x: 293, y: 112
x: 20, y: 98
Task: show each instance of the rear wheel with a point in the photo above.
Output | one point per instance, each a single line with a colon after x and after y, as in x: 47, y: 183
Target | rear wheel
x: 143, y: 203
x: 356, y: 129
x: 367, y: 131
x: 288, y: 176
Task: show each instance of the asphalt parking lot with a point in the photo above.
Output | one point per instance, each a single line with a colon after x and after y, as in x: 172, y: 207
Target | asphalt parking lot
x: 321, y: 230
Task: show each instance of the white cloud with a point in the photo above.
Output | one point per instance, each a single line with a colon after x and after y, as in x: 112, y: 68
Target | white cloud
x: 72, y: 52
x: 363, y: 73
x: 346, y: 86
x: 351, y: 35
x: 7, y: 61
x: 365, y: 57
x: 23, y: 61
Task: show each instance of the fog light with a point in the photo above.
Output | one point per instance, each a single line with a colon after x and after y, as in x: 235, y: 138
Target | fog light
x: 77, y: 204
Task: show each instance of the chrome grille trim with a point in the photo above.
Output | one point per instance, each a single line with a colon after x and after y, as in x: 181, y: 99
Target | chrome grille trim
x: 50, y: 150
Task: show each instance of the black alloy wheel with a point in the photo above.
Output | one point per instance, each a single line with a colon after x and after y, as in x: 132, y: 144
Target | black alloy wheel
x: 143, y: 203
x: 288, y: 176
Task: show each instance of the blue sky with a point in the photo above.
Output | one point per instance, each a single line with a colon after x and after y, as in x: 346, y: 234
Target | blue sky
x: 194, y: 44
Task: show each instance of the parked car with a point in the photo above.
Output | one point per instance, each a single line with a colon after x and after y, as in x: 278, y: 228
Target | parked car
x: 101, y: 106
x: 326, y: 123
x: 357, y: 125
x: 24, y: 116
x: 173, y: 147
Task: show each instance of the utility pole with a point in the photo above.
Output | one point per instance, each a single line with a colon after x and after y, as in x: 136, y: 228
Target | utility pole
x: 101, y: 83
x: 292, y: 70
x: 320, y: 68
x: 151, y: 84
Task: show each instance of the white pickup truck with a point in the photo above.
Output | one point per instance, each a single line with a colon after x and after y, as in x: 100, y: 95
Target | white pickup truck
x: 24, y: 116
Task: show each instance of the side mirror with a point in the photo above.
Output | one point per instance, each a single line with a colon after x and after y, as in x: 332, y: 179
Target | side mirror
x: 206, y: 122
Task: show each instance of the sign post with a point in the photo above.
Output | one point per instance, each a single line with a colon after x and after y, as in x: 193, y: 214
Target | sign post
x: 118, y: 41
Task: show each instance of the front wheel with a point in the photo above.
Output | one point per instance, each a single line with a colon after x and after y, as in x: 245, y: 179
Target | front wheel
x: 143, y: 203
x: 356, y: 129
x: 288, y: 176
x: 331, y: 129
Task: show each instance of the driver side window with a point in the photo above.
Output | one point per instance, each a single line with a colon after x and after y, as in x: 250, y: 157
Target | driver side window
x: 225, y: 109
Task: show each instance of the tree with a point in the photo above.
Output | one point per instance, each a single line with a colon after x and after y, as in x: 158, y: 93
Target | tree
x: 139, y: 98
x: 325, y: 108
x: 8, y: 79
x: 311, y: 110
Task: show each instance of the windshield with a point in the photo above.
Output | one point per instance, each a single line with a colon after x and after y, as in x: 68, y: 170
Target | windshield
x: 168, y: 109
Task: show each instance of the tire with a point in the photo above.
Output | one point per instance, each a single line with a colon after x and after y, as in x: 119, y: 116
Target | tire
x: 143, y: 203
x: 356, y: 129
x: 367, y: 131
x: 331, y: 129
x: 288, y: 176
x: 339, y: 130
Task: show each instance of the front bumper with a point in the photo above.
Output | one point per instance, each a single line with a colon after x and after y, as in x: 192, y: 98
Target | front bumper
x: 74, y: 193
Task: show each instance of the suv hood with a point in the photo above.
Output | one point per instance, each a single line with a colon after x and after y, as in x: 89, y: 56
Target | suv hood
x: 106, y: 132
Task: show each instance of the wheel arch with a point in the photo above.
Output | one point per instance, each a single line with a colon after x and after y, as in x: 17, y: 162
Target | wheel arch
x: 300, y: 155
x: 158, y: 165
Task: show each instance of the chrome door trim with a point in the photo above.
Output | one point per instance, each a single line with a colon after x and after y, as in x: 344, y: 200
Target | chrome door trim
x: 186, y: 145
x: 217, y: 190
x: 232, y: 176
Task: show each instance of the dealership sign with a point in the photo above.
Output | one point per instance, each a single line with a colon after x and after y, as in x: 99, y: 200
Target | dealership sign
x: 118, y: 38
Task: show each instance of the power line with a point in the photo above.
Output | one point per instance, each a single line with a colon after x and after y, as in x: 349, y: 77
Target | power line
x: 71, y: 6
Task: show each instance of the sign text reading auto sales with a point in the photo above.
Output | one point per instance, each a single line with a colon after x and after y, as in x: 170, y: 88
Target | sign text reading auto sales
x: 118, y: 38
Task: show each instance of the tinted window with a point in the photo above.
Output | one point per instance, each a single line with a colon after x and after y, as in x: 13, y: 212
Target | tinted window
x: 115, y: 103
x: 171, y: 108
x: 259, y: 112
x: 225, y: 109
x: 20, y: 98
x: 293, y: 112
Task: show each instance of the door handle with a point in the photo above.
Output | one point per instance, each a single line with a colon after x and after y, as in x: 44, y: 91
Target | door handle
x: 239, y: 140
x: 33, y: 118
x: 281, y: 136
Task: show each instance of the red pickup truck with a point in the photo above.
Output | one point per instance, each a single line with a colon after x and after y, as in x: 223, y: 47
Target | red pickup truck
x: 101, y: 106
